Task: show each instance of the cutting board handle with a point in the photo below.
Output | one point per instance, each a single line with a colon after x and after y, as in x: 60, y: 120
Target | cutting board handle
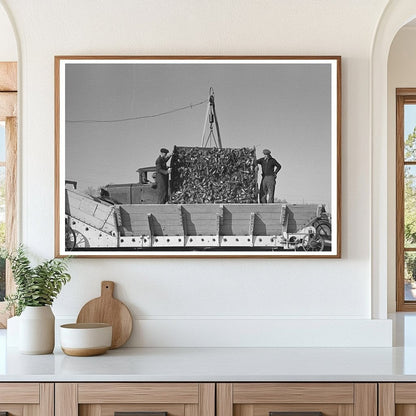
x: 107, y: 289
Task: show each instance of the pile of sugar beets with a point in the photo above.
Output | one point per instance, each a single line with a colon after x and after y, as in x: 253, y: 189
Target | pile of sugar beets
x: 210, y: 175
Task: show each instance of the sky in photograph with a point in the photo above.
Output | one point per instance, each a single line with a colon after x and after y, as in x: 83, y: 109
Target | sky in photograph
x: 282, y: 107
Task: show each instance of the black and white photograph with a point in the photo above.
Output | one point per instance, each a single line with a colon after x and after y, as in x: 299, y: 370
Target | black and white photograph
x: 209, y: 156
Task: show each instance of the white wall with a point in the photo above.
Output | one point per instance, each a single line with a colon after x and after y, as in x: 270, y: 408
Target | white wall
x: 401, y: 74
x: 8, y: 47
x: 213, y: 301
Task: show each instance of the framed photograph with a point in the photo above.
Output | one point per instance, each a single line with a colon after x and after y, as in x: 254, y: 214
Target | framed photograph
x: 198, y: 156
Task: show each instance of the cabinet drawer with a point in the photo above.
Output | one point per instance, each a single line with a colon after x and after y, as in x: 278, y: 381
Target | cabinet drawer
x: 19, y: 393
x: 138, y: 393
x: 296, y: 399
x: 397, y: 399
x: 21, y: 399
x: 145, y: 399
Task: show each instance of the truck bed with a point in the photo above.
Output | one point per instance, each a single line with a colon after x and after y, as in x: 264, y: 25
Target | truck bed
x: 95, y: 224
x: 212, y: 219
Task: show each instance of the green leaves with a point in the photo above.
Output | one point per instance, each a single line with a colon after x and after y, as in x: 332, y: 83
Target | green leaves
x: 36, y: 286
x: 410, y: 190
x: 410, y: 146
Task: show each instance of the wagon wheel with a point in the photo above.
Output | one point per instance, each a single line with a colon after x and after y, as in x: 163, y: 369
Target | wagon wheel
x: 74, y: 239
x: 70, y: 238
x: 313, y: 242
x: 80, y: 240
x: 323, y: 228
x: 316, y: 241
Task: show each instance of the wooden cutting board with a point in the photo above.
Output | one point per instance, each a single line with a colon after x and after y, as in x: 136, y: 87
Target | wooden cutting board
x: 108, y: 310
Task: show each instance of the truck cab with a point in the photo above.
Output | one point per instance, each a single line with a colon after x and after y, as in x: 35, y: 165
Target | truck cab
x: 142, y: 192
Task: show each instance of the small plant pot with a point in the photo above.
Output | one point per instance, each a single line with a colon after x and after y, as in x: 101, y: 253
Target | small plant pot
x: 37, y: 330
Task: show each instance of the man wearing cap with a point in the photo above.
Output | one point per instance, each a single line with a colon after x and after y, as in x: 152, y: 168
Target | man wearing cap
x: 270, y: 167
x: 162, y: 176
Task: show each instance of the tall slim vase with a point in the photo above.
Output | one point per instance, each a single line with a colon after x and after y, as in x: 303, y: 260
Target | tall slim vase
x: 37, y: 330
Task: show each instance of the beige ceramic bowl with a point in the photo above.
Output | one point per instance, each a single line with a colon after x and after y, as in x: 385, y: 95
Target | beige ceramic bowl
x: 83, y: 340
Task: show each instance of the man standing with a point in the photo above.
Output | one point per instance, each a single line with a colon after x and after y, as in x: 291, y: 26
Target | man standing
x: 270, y: 167
x: 162, y: 176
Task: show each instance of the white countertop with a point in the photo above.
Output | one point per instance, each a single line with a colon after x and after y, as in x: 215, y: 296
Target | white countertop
x: 215, y: 364
x: 221, y: 364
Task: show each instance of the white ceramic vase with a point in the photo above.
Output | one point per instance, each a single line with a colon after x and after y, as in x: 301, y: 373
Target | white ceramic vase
x: 37, y: 330
x: 12, y: 334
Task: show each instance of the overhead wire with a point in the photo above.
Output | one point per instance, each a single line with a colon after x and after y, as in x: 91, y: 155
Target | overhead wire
x: 119, y: 120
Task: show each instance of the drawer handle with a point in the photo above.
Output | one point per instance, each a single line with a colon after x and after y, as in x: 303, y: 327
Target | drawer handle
x: 295, y: 414
x: 139, y: 414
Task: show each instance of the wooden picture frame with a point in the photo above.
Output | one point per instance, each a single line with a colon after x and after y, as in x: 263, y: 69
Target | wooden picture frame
x: 8, y: 116
x: 405, y: 301
x: 115, y: 114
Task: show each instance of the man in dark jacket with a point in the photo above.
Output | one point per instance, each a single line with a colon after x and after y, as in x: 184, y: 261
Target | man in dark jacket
x: 270, y: 167
x: 162, y: 176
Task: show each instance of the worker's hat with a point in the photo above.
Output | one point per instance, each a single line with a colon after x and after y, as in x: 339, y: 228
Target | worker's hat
x: 266, y: 152
x: 163, y: 150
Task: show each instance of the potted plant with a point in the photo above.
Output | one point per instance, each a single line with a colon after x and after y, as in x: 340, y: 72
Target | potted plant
x: 36, y: 289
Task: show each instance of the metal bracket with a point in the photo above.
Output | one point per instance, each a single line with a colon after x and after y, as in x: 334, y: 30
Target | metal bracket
x: 284, y: 219
x: 150, y: 223
x: 202, y: 241
x: 236, y: 241
x: 183, y: 220
x: 220, y: 216
x: 139, y: 414
x: 117, y: 217
x: 167, y: 241
x: 251, y: 227
x: 295, y: 414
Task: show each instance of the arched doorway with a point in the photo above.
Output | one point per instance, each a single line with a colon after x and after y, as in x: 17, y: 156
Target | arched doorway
x: 401, y: 98
x: 383, y: 244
